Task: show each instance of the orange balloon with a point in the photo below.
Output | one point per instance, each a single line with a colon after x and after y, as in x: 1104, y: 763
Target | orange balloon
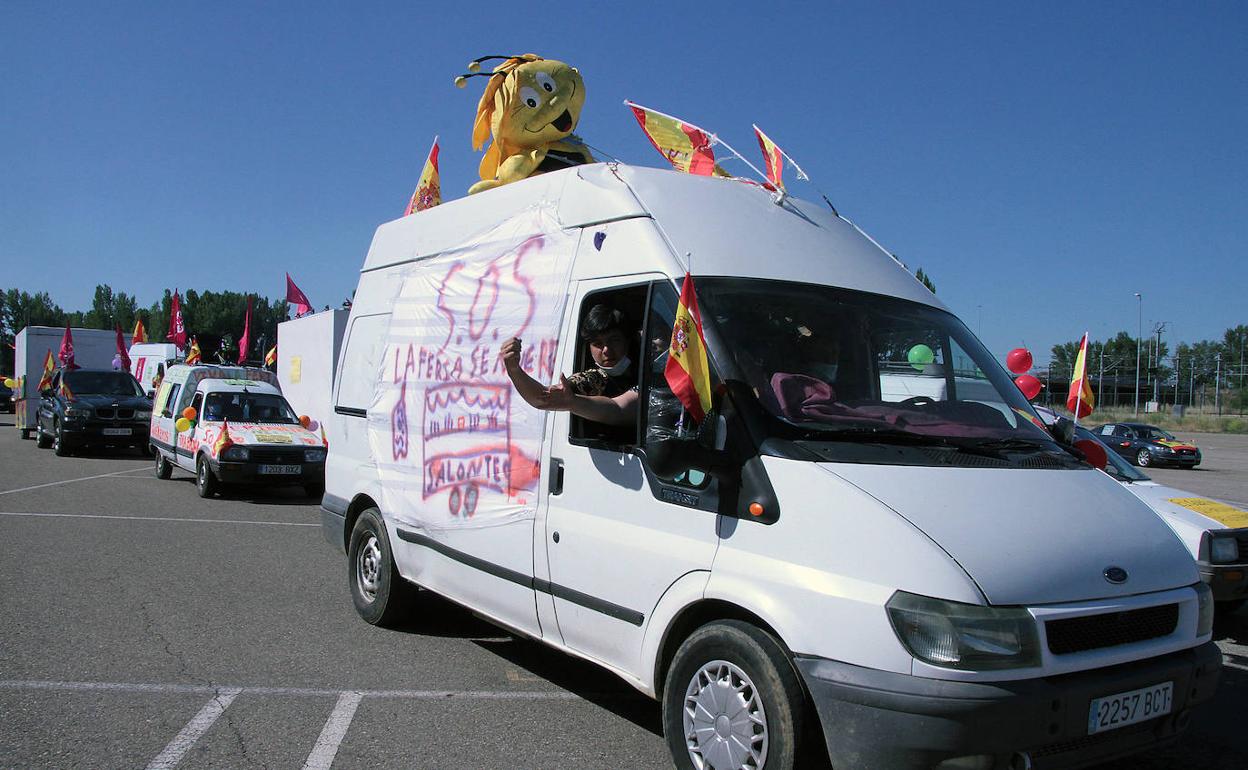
x: 305, y: 420
x: 189, y: 413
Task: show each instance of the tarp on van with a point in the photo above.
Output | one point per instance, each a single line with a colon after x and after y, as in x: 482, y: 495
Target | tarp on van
x: 455, y: 445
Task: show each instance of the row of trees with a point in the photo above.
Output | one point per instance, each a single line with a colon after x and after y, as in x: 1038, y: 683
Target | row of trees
x: 1165, y: 376
x: 214, y: 318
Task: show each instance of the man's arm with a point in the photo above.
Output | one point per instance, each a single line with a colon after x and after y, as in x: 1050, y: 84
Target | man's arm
x: 529, y: 389
x: 620, y: 410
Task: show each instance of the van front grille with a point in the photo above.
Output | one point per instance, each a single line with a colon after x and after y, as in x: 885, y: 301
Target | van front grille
x: 1110, y: 629
x: 276, y: 456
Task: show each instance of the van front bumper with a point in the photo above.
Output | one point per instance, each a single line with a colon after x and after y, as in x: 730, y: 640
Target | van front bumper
x: 879, y: 719
x: 249, y: 473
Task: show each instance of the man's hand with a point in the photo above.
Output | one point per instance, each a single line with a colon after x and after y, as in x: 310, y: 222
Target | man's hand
x: 510, y: 353
x: 558, y: 398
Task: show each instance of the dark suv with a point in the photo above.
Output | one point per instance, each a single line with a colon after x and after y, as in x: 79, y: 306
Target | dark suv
x: 93, y: 406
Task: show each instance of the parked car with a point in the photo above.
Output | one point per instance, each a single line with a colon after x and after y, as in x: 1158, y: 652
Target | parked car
x: 98, y: 407
x: 1216, y: 533
x: 266, y: 442
x: 1147, y: 445
x: 869, y: 534
x: 6, y: 398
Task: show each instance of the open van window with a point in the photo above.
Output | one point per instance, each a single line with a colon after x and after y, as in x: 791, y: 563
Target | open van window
x: 836, y: 365
x: 588, y: 378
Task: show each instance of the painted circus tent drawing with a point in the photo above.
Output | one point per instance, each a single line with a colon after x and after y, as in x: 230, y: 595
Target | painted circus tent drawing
x: 454, y: 447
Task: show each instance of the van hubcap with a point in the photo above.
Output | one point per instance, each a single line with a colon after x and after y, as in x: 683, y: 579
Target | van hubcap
x: 368, y: 568
x: 725, y: 724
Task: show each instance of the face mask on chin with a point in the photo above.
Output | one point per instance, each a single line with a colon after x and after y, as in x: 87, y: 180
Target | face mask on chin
x: 620, y: 367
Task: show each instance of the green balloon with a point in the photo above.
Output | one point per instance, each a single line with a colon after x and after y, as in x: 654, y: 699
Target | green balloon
x: 920, y: 356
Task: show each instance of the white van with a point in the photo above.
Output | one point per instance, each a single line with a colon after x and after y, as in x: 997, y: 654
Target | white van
x: 931, y: 580
x: 147, y: 358
x: 268, y: 443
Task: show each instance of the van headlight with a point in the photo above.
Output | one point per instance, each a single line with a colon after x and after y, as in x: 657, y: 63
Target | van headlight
x: 235, y: 454
x: 964, y: 636
x: 1223, y: 549
x: 1204, y: 609
x: 313, y: 455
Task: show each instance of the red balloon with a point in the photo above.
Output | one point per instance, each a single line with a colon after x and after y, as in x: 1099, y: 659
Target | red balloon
x: 1029, y: 385
x: 1018, y: 361
x: 1093, y: 451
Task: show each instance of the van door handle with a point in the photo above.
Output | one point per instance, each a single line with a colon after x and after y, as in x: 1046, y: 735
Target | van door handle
x: 556, y: 476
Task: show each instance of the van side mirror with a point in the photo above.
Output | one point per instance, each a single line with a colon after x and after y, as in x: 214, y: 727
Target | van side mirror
x: 1063, y: 431
x: 668, y: 457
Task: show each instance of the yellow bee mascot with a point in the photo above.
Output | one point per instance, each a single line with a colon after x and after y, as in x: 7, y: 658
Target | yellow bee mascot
x: 531, y: 107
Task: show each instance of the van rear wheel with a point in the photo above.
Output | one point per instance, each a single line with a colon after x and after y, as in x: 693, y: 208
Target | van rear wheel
x: 380, y: 594
x: 732, y: 701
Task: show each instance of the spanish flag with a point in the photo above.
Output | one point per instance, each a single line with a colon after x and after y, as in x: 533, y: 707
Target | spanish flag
x: 49, y: 366
x: 193, y: 356
x: 773, y: 158
x: 1079, y: 399
x: 687, y: 147
x: 688, y: 373
x: 140, y: 334
x: 429, y: 189
x: 270, y: 358
x: 223, y: 441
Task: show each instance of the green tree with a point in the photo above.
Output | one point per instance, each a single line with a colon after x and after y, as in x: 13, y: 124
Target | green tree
x: 925, y: 279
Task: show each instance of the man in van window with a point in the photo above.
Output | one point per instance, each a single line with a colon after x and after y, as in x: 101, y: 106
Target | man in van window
x: 605, y: 392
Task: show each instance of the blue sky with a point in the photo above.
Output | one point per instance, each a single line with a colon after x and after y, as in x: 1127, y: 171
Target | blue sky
x: 1041, y: 161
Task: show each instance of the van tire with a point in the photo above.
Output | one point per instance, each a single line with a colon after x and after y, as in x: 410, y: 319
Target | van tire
x: 380, y: 594
x: 752, y: 661
x: 205, y: 481
x: 164, y: 468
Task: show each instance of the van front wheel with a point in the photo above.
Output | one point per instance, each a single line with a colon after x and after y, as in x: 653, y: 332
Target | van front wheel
x: 732, y: 700
x: 380, y: 594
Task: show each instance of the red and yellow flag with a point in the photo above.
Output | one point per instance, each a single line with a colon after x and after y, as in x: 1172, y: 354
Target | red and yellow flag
x: 773, y: 158
x: 65, y: 391
x: 223, y: 441
x: 688, y: 372
x: 270, y: 358
x: 687, y: 147
x: 49, y: 366
x: 194, y: 356
x: 1079, y: 399
x: 429, y: 189
x: 140, y: 334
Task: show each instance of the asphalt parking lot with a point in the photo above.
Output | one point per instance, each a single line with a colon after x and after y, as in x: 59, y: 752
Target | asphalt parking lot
x: 141, y: 626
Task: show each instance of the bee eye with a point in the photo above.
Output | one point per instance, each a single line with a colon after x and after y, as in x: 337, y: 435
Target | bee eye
x: 530, y: 97
x: 546, y: 82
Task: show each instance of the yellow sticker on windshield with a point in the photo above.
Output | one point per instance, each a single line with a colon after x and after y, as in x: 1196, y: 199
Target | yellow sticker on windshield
x: 1227, y: 514
x: 269, y: 437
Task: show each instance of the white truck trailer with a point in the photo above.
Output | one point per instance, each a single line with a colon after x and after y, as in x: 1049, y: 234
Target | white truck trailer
x: 146, y: 358
x: 93, y: 349
x: 307, y: 362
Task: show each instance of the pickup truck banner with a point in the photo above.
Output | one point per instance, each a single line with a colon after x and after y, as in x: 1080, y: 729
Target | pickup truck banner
x: 455, y: 445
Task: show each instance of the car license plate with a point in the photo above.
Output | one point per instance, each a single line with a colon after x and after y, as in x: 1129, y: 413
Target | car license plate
x: 280, y: 469
x: 117, y: 431
x: 1128, y: 708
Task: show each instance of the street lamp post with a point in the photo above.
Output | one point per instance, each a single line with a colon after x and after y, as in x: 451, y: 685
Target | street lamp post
x: 1139, y: 341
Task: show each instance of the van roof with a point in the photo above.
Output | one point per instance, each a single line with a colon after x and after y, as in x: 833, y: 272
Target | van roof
x: 726, y: 227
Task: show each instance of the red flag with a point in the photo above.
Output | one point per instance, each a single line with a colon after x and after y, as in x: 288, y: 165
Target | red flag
x: 687, y: 147
x: 177, y: 328
x: 773, y: 158
x: 224, y: 440
x: 49, y: 368
x: 244, y: 342
x: 140, y: 334
x: 122, y: 353
x: 687, y: 370
x: 270, y: 358
x: 193, y: 355
x: 429, y: 189
x: 295, y: 296
x: 1079, y: 398
x: 66, y: 353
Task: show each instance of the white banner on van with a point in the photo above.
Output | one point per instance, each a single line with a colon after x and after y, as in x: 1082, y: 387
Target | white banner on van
x: 455, y: 444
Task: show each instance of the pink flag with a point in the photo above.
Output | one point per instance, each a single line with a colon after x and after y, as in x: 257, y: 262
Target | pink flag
x: 244, y: 342
x: 122, y: 353
x: 177, y: 328
x: 296, y: 296
x: 66, y: 354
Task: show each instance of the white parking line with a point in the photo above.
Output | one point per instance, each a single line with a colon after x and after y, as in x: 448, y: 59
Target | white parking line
x: 199, y: 724
x: 162, y: 518
x: 192, y: 689
x: 326, y: 748
x: 70, y: 481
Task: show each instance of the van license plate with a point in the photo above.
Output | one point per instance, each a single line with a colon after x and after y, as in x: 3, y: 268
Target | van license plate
x: 280, y: 469
x: 117, y: 431
x: 1128, y: 708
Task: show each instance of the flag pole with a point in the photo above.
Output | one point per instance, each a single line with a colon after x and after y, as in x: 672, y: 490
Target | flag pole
x: 801, y: 173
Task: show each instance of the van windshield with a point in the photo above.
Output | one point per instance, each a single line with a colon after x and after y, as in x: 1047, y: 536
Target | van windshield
x: 248, y: 407
x: 843, y: 366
